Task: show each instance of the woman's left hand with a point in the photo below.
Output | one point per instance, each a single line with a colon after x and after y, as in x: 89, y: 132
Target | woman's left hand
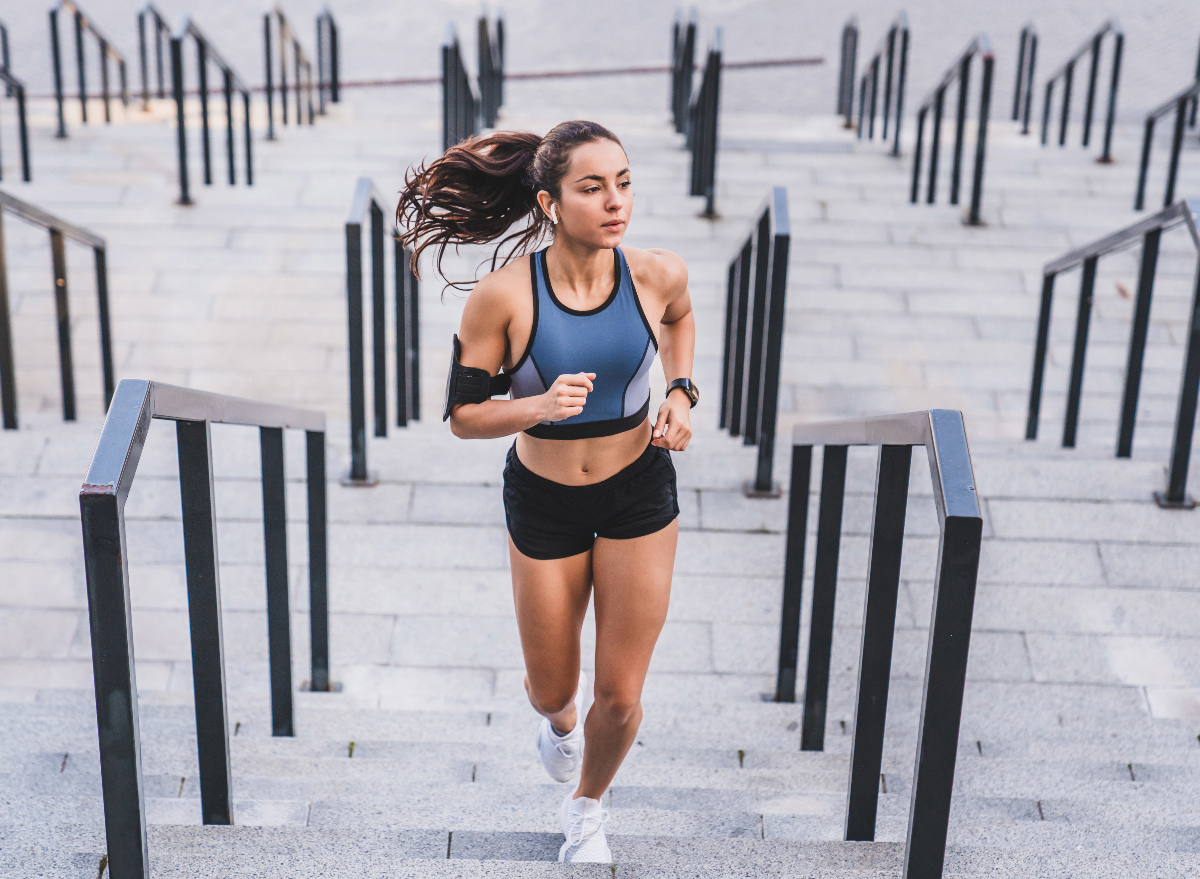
x: 673, y: 429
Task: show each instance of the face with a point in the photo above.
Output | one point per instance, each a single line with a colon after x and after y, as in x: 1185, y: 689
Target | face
x: 596, y: 195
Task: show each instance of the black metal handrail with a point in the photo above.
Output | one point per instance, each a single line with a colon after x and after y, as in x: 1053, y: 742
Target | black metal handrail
x: 846, y: 68
x: 893, y: 50
x: 960, y: 72
x: 755, y: 309
x: 460, y: 106
x: 1023, y: 90
x: 231, y: 83
x: 1180, y: 103
x: 703, y: 116
x: 106, y: 563
x: 107, y: 51
x: 15, y: 88
x: 59, y: 230
x: 683, y: 68
x: 300, y: 62
x: 1148, y: 231
x: 1066, y: 73
x: 491, y: 70
x: 960, y: 527
x: 368, y: 201
x: 328, y: 80
x: 162, y: 33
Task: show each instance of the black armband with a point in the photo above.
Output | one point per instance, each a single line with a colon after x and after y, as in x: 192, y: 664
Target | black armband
x: 467, y: 384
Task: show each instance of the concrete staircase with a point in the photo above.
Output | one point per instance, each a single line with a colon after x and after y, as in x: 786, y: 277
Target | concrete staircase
x: 1078, y: 753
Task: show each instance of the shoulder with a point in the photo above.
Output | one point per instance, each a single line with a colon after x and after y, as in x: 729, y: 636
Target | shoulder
x: 657, y: 271
x: 499, y: 294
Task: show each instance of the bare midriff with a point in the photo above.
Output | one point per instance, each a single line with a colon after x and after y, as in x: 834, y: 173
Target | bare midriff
x: 583, y: 461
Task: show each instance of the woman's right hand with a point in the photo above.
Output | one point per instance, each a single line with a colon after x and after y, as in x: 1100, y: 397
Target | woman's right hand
x: 567, y: 396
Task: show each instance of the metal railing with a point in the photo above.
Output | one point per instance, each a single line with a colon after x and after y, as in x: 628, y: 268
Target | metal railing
x: 1180, y: 103
x: 1149, y: 232
x: 1066, y: 73
x: 1023, y: 89
x: 148, y: 14
x: 460, y: 106
x: 231, y: 82
x: 702, y: 120
x: 328, y: 81
x: 300, y: 62
x: 960, y: 72
x: 683, y: 68
x: 960, y: 528
x: 368, y: 201
x: 14, y: 88
x: 84, y: 24
x: 491, y: 70
x: 755, y: 309
x: 846, y: 68
x: 893, y: 51
x: 106, y: 563
x: 59, y: 230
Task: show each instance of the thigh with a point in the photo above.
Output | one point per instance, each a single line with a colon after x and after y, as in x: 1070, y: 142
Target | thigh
x: 632, y: 582
x: 551, y: 598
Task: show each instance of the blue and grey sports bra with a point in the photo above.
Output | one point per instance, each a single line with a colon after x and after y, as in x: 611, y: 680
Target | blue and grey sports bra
x: 613, y: 340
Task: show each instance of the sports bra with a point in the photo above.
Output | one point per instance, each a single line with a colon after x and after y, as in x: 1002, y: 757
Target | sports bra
x: 613, y: 340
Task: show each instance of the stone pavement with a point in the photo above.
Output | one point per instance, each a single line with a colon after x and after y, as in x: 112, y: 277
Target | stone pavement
x: 1078, y: 751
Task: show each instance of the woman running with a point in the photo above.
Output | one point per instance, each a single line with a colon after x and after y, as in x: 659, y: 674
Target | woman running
x: 589, y: 487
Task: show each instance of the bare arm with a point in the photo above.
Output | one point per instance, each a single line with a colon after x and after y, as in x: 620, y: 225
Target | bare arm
x: 484, y: 337
x: 676, y: 349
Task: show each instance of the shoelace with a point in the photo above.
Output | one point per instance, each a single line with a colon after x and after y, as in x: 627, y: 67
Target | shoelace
x: 579, y: 824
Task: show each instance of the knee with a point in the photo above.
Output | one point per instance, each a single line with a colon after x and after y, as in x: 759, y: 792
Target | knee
x: 619, y: 706
x: 550, y: 698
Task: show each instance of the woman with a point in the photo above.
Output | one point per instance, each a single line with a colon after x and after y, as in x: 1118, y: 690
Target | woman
x: 589, y: 488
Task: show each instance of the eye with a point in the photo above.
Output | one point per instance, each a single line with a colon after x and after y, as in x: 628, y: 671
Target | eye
x: 591, y: 189
x: 626, y: 184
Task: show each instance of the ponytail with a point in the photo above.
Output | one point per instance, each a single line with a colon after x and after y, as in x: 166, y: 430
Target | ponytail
x: 484, y: 186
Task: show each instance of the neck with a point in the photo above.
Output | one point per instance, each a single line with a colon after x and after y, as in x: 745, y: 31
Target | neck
x: 580, y: 268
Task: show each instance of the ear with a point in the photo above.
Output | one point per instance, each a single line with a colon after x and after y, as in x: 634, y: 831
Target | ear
x: 545, y: 202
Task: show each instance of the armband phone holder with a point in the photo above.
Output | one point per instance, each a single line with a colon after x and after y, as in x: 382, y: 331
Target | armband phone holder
x: 467, y: 384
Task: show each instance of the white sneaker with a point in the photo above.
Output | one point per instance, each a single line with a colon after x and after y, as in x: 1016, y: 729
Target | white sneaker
x: 583, y: 826
x: 563, y: 755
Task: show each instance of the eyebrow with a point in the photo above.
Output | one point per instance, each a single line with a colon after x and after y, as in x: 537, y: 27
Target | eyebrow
x: 599, y: 177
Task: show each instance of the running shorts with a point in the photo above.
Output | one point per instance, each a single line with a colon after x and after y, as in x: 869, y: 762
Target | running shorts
x: 549, y: 520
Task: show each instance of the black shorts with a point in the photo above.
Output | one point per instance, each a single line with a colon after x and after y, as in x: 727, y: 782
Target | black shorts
x: 549, y: 520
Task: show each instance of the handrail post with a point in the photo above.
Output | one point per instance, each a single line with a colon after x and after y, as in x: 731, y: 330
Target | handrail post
x: 915, y: 192
x: 66, y: 361
x: 946, y: 665
x: 1022, y: 40
x: 887, y: 82
x: 776, y: 311
x: 318, y: 565
x: 144, y: 61
x: 279, y: 637
x: 1068, y: 76
x: 378, y: 320
x: 960, y: 121
x: 1039, y: 357
x: 180, y: 118
x: 1139, y: 200
x: 935, y: 145
x: 846, y: 77
x: 1046, y: 112
x: 205, y: 143
x: 81, y: 67
x: 1090, y: 103
x: 104, y: 82
x: 270, y: 85
x: 1029, y: 84
x: 106, y: 352
x: 334, y: 78
x: 1185, y: 418
x: 194, y: 442
x: 1137, y: 342
x: 8, y: 379
x: 249, y: 140
x: 106, y: 566
x: 358, y: 405
x: 824, y: 595
x: 756, y: 330
x: 23, y: 135
x: 56, y: 60
x: 1176, y: 148
x: 985, y: 99
x: 229, y: 151
x: 1110, y: 117
x: 879, y: 625
x: 793, y: 574
x: 901, y: 78
x: 1082, y: 320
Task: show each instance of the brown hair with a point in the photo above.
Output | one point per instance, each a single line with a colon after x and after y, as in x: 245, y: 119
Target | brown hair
x: 480, y: 188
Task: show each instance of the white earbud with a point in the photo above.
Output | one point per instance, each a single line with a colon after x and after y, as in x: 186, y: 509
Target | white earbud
x: 553, y: 214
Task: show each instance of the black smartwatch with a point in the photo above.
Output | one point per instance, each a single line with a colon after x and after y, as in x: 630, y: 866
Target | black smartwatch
x: 689, y: 388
